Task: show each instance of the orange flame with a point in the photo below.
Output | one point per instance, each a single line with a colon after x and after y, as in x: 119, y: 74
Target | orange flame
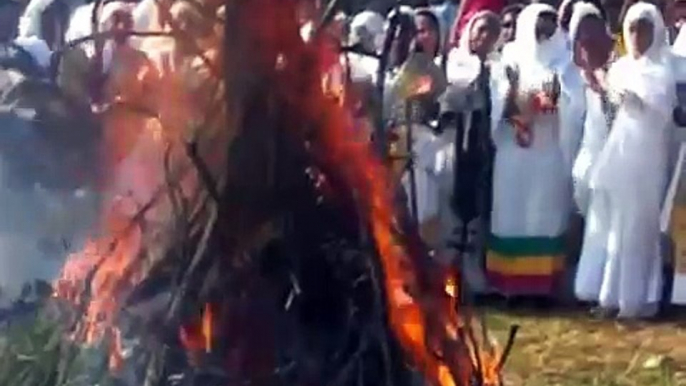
x: 207, y: 327
x: 110, y: 264
x: 198, y: 337
x: 100, y: 276
x: 365, y: 175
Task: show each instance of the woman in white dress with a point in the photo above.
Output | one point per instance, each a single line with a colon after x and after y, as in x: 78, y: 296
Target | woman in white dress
x: 632, y: 168
x: 592, y: 45
x: 535, y: 114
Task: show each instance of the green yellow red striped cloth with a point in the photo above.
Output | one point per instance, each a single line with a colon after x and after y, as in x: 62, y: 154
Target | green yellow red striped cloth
x: 525, y: 265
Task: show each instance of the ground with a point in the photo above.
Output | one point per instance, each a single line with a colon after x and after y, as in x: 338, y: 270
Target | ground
x: 559, y: 348
x: 569, y: 348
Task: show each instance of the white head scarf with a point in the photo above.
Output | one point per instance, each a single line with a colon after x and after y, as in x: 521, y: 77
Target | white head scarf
x: 551, y: 52
x: 679, y: 46
x: 106, y: 23
x: 581, y: 11
x: 641, y: 10
x: 466, y: 33
x: 30, y: 20
x: 463, y: 67
x: 110, y: 9
x: 80, y: 22
x: 367, y: 28
x: 651, y: 75
x: 145, y: 15
x: 651, y: 79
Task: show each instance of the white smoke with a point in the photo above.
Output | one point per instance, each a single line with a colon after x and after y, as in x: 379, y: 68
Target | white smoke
x: 39, y: 226
x: 41, y: 229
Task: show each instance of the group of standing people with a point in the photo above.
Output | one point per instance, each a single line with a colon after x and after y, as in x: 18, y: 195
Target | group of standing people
x: 150, y: 97
x: 546, y: 114
x: 530, y: 116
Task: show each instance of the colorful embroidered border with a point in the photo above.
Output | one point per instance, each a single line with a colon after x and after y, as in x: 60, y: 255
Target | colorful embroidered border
x: 525, y: 265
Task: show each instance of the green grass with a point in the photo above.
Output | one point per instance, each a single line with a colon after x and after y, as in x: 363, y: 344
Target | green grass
x: 572, y: 349
x: 559, y: 349
x: 34, y: 352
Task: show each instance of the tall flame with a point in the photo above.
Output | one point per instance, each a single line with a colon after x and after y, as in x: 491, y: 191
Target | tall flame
x: 297, y: 80
x: 364, y: 174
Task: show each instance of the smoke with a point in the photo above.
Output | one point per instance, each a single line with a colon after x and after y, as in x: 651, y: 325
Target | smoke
x: 39, y: 229
x: 46, y: 207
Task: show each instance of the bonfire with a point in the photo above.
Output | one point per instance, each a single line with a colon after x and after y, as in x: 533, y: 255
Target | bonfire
x: 277, y: 252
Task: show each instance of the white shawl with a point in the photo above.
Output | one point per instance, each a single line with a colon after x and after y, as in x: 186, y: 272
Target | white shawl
x: 463, y: 67
x: 528, y: 54
x: 594, y: 126
x: 652, y: 80
x: 679, y: 46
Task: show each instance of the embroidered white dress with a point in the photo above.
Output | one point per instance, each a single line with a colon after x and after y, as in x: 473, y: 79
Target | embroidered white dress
x: 532, y: 185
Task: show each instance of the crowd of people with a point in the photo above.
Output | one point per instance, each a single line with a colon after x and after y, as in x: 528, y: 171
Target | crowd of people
x: 148, y: 94
x: 534, y: 118
x: 505, y: 124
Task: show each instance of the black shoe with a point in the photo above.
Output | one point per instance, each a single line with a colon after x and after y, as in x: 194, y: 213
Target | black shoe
x: 513, y: 302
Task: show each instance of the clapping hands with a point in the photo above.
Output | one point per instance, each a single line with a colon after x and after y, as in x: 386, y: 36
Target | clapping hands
x: 543, y: 102
x: 595, y: 79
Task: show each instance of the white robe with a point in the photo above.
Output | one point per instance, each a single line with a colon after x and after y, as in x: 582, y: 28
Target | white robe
x: 531, y: 189
x: 678, y: 139
x: 632, y: 170
x: 679, y: 46
x: 592, y: 204
x: 429, y: 165
x: 678, y: 134
x: 594, y: 136
x: 434, y: 171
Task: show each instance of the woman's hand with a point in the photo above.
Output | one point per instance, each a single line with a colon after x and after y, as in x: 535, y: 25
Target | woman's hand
x: 542, y: 102
x: 523, y: 134
x: 596, y: 79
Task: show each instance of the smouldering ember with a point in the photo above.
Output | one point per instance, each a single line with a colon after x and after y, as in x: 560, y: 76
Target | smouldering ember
x: 424, y: 318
